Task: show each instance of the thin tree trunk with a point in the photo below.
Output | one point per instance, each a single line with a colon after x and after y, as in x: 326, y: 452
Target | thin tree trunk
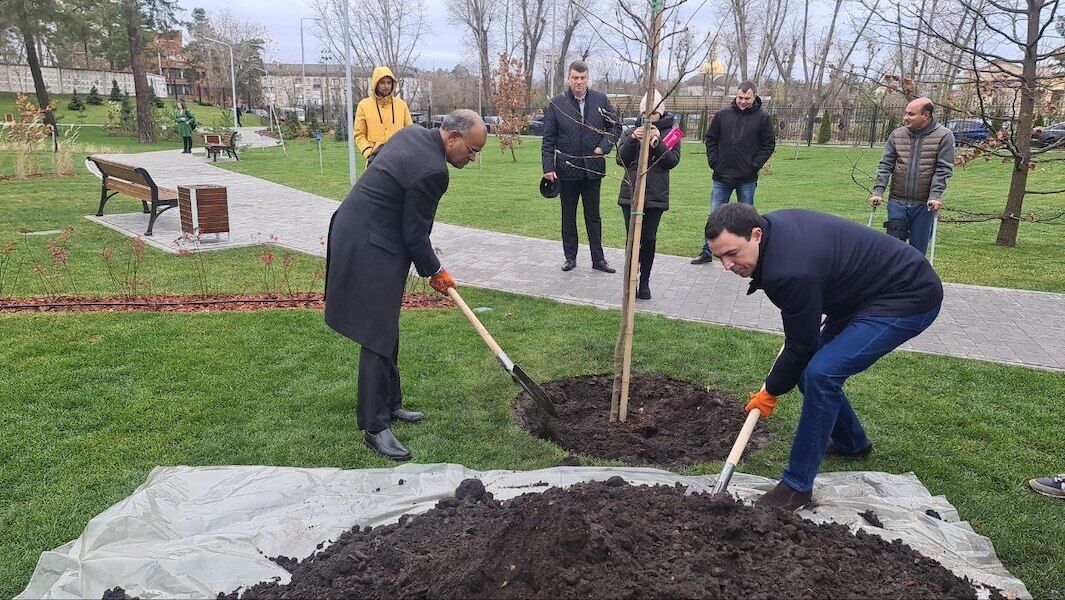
x: 145, y: 127
x: 1007, y: 231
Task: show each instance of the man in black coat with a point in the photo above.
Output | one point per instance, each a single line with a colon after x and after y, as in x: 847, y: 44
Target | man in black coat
x: 380, y: 229
x: 739, y: 141
x: 580, y: 128
x: 875, y: 291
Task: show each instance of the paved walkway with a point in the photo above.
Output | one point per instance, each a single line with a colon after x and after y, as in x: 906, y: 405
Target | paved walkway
x: 1005, y: 326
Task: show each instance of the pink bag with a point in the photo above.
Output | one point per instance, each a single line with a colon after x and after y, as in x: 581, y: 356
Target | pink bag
x: 673, y: 138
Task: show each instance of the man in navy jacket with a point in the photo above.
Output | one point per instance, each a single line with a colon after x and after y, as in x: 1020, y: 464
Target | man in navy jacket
x: 580, y: 128
x: 875, y: 291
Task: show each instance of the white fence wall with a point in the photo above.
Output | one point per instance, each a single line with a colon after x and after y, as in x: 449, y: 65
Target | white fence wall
x: 17, y: 78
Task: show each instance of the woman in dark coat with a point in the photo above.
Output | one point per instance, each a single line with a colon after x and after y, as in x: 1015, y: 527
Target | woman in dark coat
x: 661, y: 159
x: 186, y: 124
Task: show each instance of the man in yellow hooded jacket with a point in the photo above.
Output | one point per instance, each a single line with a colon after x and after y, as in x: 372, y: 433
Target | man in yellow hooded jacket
x: 381, y: 115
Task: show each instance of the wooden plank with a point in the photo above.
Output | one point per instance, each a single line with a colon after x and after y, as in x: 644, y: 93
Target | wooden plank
x: 120, y: 171
x: 141, y: 192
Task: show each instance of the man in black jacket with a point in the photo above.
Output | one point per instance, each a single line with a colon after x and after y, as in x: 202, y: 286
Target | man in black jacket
x: 876, y: 292
x: 380, y: 229
x: 580, y: 128
x: 738, y: 141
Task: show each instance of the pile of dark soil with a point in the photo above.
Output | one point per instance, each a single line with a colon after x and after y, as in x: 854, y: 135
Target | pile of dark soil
x: 609, y: 540
x: 192, y: 302
x: 670, y: 422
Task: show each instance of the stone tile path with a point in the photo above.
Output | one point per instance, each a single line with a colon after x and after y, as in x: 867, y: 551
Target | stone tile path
x: 999, y: 325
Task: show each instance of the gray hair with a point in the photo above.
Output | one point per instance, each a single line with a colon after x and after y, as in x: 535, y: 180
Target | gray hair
x: 462, y: 121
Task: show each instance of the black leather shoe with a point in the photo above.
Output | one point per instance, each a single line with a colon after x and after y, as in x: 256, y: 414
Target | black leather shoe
x: 644, y: 291
x: 703, y: 258
x: 604, y: 267
x: 569, y: 265
x: 783, y: 496
x: 386, y: 444
x: 407, y: 416
x: 832, y: 450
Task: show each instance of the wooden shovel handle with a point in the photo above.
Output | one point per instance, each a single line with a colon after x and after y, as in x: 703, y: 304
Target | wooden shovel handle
x: 743, y: 437
x: 487, y: 337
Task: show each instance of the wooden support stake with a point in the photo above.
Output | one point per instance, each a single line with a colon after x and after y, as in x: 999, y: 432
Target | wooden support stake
x: 622, y: 376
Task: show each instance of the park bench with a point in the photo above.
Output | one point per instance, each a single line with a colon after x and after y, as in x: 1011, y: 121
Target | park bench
x: 118, y: 178
x: 217, y: 143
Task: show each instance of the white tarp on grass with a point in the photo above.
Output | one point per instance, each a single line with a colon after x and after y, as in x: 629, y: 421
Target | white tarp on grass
x: 191, y: 532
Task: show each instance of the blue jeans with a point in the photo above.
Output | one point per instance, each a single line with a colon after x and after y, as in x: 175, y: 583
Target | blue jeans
x: 919, y: 219
x: 722, y: 191
x: 844, y: 349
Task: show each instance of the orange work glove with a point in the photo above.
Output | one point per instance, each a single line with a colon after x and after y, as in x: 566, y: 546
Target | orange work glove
x: 763, y: 401
x: 442, y: 281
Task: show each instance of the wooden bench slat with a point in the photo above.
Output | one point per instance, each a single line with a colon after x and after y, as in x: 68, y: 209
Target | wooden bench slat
x: 120, y: 171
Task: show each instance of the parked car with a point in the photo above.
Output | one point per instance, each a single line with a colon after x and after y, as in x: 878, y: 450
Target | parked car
x: 436, y: 121
x: 1051, y: 134
x: 967, y: 131
x: 628, y: 124
x: 491, y: 122
x: 419, y: 119
x: 536, y: 126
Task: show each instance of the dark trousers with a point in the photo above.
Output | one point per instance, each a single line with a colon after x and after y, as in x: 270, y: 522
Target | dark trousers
x: 186, y: 144
x: 587, y: 192
x: 379, y: 392
x: 648, y: 236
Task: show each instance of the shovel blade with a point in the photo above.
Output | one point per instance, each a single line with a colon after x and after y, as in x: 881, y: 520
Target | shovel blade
x: 535, y: 391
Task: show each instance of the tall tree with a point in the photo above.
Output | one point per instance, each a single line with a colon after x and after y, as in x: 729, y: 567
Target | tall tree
x: 383, y: 32
x: 533, y: 26
x: 477, y: 17
x: 571, y: 18
x: 32, y: 17
x: 1010, y: 58
x: 142, y: 18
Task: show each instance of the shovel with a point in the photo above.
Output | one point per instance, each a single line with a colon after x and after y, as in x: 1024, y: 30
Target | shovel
x: 745, y: 436
x: 520, y: 377
x: 737, y: 451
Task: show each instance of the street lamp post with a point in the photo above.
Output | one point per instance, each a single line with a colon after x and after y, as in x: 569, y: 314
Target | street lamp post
x: 303, y: 61
x: 273, y: 119
x: 347, y: 95
x: 232, y: 77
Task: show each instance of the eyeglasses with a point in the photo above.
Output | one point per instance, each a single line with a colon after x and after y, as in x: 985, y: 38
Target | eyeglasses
x: 470, y: 150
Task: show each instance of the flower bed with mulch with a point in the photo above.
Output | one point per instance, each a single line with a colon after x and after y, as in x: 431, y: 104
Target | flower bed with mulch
x: 192, y: 302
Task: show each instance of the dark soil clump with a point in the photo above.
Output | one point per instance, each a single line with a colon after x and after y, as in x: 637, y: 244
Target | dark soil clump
x: 871, y: 518
x: 670, y: 423
x: 609, y: 540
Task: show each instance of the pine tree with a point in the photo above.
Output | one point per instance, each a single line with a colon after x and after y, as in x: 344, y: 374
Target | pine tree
x: 340, y: 132
x: 127, y: 117
x: 116, y: 94
x: 153, y: 99
x: 75, y: 102
x: 94, y: 97
x: 824, y: 134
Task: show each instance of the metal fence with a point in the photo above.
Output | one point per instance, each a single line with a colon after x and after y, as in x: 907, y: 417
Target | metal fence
x: 858, y: 126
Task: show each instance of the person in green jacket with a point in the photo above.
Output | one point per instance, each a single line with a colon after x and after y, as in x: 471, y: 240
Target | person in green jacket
x: 186, y: 123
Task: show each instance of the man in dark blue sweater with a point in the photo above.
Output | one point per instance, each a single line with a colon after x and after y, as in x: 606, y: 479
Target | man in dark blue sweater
x: 875, y: 291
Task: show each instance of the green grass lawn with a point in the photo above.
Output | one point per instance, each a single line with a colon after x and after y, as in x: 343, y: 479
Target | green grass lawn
x: 93, y: 402
x: 503, y: 196
x: 97, y: 114
x: 49, y: 204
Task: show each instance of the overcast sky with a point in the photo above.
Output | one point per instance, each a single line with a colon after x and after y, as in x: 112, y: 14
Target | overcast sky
x: 281, y: 19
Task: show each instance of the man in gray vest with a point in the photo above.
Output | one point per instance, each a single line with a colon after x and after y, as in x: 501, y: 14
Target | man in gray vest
x: 919, y: 159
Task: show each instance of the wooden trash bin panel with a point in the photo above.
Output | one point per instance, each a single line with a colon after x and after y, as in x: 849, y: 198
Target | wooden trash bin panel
x: 203, y: 208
